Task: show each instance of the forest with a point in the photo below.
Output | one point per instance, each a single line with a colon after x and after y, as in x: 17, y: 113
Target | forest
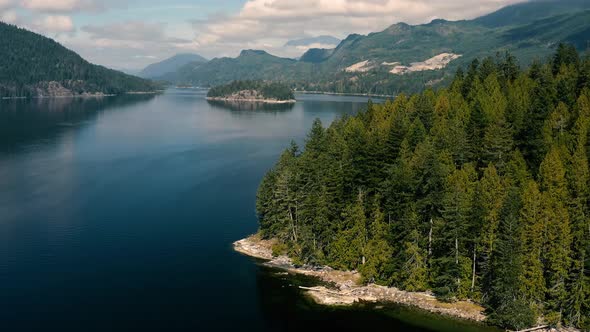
x: 28, y: 62
x: 268, y: 90
x: 477, y: 191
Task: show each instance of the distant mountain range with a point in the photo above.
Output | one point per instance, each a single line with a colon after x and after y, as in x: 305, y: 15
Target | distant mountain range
x: 409, y: 57
x: 32, y: 65
x: 170, y: 65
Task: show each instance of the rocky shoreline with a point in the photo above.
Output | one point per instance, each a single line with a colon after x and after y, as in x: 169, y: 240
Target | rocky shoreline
x: 247, y: 100
x: 347, y: 289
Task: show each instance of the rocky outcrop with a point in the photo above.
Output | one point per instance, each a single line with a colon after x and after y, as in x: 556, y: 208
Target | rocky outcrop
x: 435, y: 63
x: 347, y: 289
x: 360, y: 67
x: 250, y: 96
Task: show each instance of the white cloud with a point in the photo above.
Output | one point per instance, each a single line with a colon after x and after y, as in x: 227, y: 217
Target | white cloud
x: 6, y: 4
x: 55, y: 24
x: 261, y: 20
x: 132, y: 31
x: 55, y: 5
x: 9, y: 16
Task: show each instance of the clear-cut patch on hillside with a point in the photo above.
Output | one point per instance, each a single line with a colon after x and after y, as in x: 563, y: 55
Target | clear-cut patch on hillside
x: 435, y: 63
x: 360, y: 67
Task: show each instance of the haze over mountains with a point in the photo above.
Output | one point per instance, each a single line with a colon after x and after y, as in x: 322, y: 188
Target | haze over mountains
x: 400, y: 58
x: 529, y: 30
x: 170, y: 65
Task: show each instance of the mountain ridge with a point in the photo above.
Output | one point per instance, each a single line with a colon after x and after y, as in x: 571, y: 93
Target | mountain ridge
x: 528, y: 38
x: 32, y: 65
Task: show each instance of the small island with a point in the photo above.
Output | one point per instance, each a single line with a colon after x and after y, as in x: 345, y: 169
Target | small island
x: 252, y: 91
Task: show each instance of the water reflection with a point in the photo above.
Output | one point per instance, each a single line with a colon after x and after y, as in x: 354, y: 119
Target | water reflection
x: 241, y: 106
x: 29, y: 121
x: 286, y: 308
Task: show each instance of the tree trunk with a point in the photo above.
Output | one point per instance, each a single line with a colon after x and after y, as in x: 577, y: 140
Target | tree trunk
x: 473, y: 274
x: 457, y: 259
x: 430, y: 239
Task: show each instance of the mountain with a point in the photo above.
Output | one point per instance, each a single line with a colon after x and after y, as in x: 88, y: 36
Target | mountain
x: 528, y: 12
x: 33, y: 65
x: 249, y: 65
x: 407, y: 57
x: 320, y: 40
x: 170, y: 65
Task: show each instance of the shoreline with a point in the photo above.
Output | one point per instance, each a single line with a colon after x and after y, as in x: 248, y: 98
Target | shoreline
x: 343, y: 94
x: 266, y: 101
x: 85, y: 95
x: 347, y: 289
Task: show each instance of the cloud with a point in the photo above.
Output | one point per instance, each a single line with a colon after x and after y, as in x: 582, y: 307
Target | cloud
x: 9, y: 16
x: 132, y: 31
x: 260, y: 21
x: 59, y: 5
x: 54, y: 24
x: 130, y: 44
x: 6, y: 4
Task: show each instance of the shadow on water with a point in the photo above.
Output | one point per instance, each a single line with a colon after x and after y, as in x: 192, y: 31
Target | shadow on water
x: 28, y: 121
x: 286, y: 308
x: 250, y: 106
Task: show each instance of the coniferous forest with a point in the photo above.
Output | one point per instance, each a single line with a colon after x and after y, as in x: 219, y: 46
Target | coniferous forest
x: 29, y: 62
x: 268, y: 90
x: 478, y: 191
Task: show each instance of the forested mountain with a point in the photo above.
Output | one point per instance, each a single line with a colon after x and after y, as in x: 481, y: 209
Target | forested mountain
x: 479, y: 191
x: 377, y: 63
x: 33, y: 65
x: 249, y: 65
x: 170, y: 65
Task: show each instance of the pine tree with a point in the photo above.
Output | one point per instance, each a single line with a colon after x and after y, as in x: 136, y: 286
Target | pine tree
x: 378, y: 252
x: 491, y: 193
x: 557, y: 233
x: 532, y: 280
x: 452, y: 261
x: 413, y: 271
x: 507, y: 307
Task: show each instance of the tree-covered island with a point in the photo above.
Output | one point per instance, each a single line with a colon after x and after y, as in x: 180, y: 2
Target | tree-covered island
x: 477, y: 192
x: 252, y: 91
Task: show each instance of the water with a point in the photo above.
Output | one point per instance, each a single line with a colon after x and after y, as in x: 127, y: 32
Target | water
x: 118, y: 214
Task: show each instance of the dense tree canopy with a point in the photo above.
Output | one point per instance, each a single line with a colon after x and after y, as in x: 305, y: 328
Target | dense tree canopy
x: 479, y: 191
x: 28, y: 62
x: 265, y: 90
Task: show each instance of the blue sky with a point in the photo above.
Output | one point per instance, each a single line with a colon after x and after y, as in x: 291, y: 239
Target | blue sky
x: 129, y: 34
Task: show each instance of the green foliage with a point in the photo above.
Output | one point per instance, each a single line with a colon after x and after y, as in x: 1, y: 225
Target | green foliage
x: 29, y: 62
x: 266, y: 90
x: 528, y: 30
x: 431, y: 192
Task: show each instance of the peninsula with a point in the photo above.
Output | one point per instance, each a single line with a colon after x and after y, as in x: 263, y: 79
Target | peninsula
x: 252, y: 91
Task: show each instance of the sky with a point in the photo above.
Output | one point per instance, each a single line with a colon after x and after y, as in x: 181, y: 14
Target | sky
x: 130, y: 34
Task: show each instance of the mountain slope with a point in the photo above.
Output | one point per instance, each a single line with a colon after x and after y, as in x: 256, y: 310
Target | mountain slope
x: 530, y: 11
x: 249, y: 65
x: 33, y: 65
x: 409, y: 57
x: 170, y: 65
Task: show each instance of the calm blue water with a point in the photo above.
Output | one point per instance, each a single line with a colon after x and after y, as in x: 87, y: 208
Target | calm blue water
x: 118, y: 214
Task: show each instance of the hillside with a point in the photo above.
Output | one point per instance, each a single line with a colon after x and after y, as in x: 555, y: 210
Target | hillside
x: 407, y: 57
x: 477, y: 192
x: 170, y: 65
x: 33, y: 65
